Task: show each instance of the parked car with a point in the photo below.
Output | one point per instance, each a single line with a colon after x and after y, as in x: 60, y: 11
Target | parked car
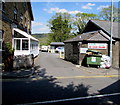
x: 59, y: 49
x: 44, y: 48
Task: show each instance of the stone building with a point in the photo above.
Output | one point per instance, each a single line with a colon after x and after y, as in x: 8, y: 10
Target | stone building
x: 15, y: 14
x: 95, y: 36
x: 15, y: 29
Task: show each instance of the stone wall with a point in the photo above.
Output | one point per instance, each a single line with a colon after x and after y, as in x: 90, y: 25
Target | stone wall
x: 70, y: 55
x: 23, y: 62
x: 7, y: 32
x: 116, y: 54
x: 22, y: 9
x: 8, y: 18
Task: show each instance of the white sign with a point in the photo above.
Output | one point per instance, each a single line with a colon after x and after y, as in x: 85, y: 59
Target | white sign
x: 97, y: 45
x: 93, y: 59
x: 83, y: 50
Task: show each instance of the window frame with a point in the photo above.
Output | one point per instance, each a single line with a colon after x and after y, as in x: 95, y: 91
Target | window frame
x: 15, y: 46
x: 26, y: 46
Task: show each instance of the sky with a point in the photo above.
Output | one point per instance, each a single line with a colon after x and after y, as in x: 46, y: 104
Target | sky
x: 43, y: 11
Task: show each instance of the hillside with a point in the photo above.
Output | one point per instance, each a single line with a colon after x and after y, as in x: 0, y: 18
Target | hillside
x: 43, y: 38
x: 39, y: 35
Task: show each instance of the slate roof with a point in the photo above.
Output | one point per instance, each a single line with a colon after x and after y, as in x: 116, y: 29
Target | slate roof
x: 105, y: 26
x: 90, y: 36
x: 56, y: 43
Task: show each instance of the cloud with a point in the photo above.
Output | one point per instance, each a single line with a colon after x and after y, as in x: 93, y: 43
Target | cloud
x: 42, y: 28
x: 88, y: 6
x: 102, y: 6
x: 34, y: 24
x: 51, y: 10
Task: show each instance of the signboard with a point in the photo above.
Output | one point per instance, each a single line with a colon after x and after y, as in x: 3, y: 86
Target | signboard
x: 83, y: 50
x: 93, y: 59
x: 97, y: 45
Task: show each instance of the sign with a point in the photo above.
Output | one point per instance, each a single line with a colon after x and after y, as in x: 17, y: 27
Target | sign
x: 97, y: 45
x: 83, y: 50
x: 93, y: 59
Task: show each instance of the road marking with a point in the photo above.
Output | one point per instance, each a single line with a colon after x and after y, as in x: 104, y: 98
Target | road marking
x: 100, y: 76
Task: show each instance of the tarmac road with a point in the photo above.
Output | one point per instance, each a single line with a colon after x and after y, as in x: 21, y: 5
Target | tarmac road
x: 57, y: 79
x: 67, y: 73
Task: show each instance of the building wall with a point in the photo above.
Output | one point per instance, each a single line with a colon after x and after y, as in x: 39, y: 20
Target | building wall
x: 116, y: 54
x: 85, y: 45
x: 7, y: 32
x: 22, y: 11
x: 69, y: 53
x: 23, y: 23
x: 80, y: 58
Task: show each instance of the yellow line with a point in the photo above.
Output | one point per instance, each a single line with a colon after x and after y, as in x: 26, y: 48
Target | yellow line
x: 100, y: 76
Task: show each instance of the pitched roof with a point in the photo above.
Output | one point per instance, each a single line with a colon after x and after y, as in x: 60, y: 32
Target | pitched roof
x: 90, y: 36
x: 105, y: 26
x: 26, y: 35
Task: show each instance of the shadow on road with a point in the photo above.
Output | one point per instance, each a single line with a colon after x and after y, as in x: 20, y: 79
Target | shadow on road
x: 113, y: 88
x: 28, y: 91
x: 46, y: 88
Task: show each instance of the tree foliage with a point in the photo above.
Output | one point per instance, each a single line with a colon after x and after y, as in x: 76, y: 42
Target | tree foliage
x: 60, y: 26
x: 105, y: 13
x: 81, y: 19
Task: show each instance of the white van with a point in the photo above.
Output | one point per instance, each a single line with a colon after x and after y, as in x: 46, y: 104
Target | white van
x: 44, y: 48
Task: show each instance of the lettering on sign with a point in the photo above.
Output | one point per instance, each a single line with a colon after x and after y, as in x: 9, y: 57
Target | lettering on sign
x: 97, y: 45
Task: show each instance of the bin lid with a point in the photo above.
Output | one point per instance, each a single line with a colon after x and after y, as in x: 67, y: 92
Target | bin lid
x: 94, y: 55
x: 93, y: 51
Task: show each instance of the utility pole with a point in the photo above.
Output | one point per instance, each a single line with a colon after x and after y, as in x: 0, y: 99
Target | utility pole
x: 111, y: 32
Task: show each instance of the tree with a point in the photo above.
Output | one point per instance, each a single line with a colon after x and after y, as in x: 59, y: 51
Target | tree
x: 60, y: 26
x: 81, y: 19
x: 105, y: 13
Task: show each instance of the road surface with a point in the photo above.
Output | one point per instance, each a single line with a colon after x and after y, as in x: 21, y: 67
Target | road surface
x: 59, y: 79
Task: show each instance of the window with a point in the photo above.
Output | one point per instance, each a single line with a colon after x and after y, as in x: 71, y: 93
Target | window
x: 24, y: 4
x: 17, y: 47
x: 2, y: 5
x: 15, y: 13
x: 21, y: 18
x: 24, y: 44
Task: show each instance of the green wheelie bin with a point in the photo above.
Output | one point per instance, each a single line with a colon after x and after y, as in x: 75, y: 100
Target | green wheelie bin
x: 94, y: 60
